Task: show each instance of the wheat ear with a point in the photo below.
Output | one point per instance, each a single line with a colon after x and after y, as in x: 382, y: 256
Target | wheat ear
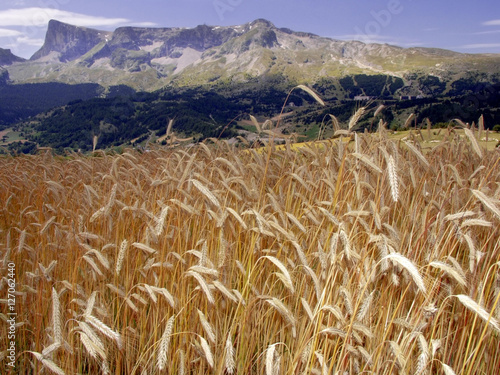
x: 487, y: 202
x: 121, y: 256
x: 104, y: 329
x: 206, y: 326
x: 230, y: 363
x: 270, y: 361
x: 48, y: 363
x: 256, y: 124
x: 56, y: 316
x: 393, y: 178
x: 206, y: 350
x: 312, y: 93
x: 476, y: 308
x: 418, y: 154
x: 164, y: 343
x: 473, y: 141
x: 356, y: 117
x: 410, y: 267
x: 206, y: 192
x: 448, y: 370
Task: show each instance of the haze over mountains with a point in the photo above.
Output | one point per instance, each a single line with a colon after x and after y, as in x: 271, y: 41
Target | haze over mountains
x: 150, y: 58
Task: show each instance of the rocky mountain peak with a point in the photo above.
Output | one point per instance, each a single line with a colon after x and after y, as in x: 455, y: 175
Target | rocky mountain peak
x: 69, y: 42
x: 261, y: 22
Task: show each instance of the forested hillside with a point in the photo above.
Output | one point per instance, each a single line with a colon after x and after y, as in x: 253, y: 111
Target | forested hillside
x: 126, y: 117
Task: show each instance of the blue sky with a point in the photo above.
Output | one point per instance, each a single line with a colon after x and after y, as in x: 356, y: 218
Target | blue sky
x: 464, y: 26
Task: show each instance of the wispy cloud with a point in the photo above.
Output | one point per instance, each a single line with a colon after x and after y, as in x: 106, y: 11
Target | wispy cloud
x: 9, y: 33
x: 492, y: 23
x: 41, y: 16
x: 24, y: 40
x: 142, y: 24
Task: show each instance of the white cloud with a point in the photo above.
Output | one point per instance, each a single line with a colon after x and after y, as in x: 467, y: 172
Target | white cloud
x: 492, y: 23
x: 29, y: 41
x: 9, y: 33
x: 41, y: 16
x: 143, y: 24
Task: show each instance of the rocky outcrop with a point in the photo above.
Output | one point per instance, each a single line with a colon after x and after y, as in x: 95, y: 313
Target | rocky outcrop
x: 8, y: 58
x: 68, y: 42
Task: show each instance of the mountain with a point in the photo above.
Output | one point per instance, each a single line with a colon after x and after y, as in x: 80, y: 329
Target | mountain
x: 64, y: 42
x: 8, y: 58
x: 151, y: 58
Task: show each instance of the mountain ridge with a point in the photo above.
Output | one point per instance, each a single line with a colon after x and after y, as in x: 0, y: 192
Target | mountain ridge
x: 150, y: 58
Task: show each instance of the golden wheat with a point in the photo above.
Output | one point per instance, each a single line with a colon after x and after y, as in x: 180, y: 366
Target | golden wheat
x: 288, y: 261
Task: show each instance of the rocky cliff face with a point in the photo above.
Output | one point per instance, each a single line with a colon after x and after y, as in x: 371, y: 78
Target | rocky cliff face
x: 64, y: 42
x: 8, y: 58
x: 150, y: 58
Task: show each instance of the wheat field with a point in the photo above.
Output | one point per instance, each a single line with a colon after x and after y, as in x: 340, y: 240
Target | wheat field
x: 373, y: 257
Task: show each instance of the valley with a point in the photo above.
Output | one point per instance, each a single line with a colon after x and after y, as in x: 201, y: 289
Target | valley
x: 126, y: 85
